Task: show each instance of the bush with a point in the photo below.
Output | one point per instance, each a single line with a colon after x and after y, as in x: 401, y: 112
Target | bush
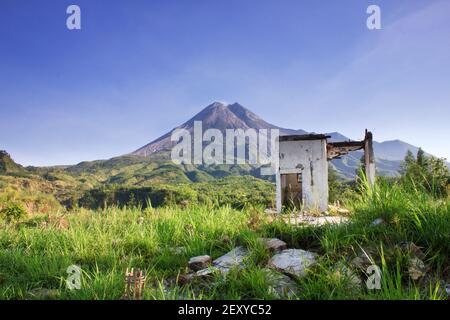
x: 428, y: 173
x: 237, y: 192
x: 13, y: 212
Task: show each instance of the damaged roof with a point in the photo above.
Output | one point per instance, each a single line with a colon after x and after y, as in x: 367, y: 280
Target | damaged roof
x: 303, y: 137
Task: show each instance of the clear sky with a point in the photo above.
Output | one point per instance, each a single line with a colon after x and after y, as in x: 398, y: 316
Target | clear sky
x: 139, y: 68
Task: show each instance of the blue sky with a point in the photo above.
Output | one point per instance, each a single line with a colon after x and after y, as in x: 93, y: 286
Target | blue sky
x: 139, y: 68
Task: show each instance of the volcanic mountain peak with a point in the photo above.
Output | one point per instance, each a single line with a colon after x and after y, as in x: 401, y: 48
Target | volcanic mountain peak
x: 215, y: 116
x: 223, y: 116
x: 233, y: 116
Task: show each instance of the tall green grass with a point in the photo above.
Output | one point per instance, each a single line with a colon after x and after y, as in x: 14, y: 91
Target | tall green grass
x: 35, y: 253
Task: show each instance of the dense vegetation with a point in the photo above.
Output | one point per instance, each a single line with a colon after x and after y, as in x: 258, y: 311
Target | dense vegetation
x: 35, y: 252
x: 237, y: 192
x: 158, y: 227
x: 130, y: 180
x: 429, y: 173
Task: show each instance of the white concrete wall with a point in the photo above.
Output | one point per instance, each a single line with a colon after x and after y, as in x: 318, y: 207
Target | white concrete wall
x: 310, y: 158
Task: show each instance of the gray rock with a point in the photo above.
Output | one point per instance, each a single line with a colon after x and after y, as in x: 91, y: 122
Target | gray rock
x: 416, y: 269
x: 310, y: 220
x: 184, y: 279
x: 273, y: 244
x: 377, y: 222
x: 233, y: 259
x: 199, y: 263
x: 280, y: 285
x: 293, y: 262
x: 44, y: 294
x: 447, y: 289
x: 206, y: 272
x: 361, y: 262
x: 412, y: 249
x: 365, y: 259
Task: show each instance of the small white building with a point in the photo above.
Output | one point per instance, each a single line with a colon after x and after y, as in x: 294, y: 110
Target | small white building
x: 302, y: 178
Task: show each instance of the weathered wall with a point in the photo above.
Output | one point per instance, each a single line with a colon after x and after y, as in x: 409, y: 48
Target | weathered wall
x: 310, y: 158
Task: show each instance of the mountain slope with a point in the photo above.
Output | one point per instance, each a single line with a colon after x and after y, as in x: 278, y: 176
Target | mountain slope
x: 8, y: 166
x: 217, y: 115
x: 394, y: 149
x: 388, y: 155
x: 151, y: 163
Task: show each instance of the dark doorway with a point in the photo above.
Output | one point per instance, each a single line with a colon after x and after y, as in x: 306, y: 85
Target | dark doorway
x: 291, y: 190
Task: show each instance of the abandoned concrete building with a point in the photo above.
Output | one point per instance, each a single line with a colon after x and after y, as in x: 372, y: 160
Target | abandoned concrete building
x: 302, y: 178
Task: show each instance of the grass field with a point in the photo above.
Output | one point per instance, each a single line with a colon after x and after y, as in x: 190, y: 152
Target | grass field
x: 36, y: 252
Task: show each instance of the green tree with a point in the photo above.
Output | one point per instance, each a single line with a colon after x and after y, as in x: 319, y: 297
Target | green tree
x: 333, y: 184
x: 429, y: 173
x: 438, y: 176
x: 410, y: 158
x: 13, y: 212
x: 421, y: 158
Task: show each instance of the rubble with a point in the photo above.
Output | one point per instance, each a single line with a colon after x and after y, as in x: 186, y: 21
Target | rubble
x: 234, y: 258
x: 293, y: 262
x: 199, y: 262
x: 411, y: 248
x: 43, y: 293
x: 416, y: 268
x: 273, y: 244
x: 314, y: 220
x: 280, y: 285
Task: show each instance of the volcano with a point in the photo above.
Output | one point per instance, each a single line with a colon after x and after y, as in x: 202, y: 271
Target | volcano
x: 222, y: 116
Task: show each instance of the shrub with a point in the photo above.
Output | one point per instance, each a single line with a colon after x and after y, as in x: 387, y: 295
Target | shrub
x: 13, y: 212
x: 428, y: 173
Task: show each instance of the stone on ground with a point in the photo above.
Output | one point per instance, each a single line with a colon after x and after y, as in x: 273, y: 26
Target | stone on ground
x: 412, y: 249
x: 361, y: 262
x: 293, y: 262
x: 205, y: 273
x: 199, y: 262
x: 43, y: 294
x: 378, y: 222
x: 273, y: 244
x: 234, y: 258
x: 365, y: 259
x: 280, y: 285
x: 416, y: 268
x: 314, y: 220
